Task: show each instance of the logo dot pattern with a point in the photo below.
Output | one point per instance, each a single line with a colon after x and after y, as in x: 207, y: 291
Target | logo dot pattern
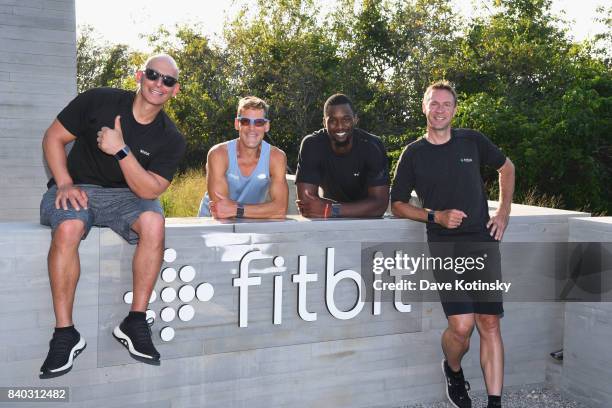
x: 174, y: 289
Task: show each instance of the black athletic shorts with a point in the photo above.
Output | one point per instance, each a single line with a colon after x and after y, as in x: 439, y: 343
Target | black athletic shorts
x: 476, y: 266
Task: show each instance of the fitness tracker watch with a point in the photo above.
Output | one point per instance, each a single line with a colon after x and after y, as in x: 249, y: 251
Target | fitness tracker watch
x: 240, y: 211
x: 431, y: 217
x: 335, y: 210
x: 121, y: 154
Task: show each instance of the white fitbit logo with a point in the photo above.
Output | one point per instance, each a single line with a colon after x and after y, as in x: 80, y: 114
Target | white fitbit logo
x: 185, y: 292
x: 181, y: 290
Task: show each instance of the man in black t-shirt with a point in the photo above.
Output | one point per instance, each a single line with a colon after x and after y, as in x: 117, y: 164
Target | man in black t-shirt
x: 349, y: 164
x: 125, y: 153
x: 443, y: 168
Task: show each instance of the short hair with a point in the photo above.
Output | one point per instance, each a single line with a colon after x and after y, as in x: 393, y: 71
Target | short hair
x: 337, y: 99
x: 252, y: 102
x: 164, y: 56
x: 443, y: 84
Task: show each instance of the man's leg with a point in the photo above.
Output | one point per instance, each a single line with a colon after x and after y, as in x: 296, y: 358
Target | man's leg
x: 134, y: 332
x: 491, y: 352
x: 455, y: 343
x: 456, y: 339
x: 64, y: 268
x: 150, y: 227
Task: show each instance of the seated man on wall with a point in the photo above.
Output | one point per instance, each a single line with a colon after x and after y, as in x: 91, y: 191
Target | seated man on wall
x: 241, y: 173
x: 126, y: 151
x: 348, y: 163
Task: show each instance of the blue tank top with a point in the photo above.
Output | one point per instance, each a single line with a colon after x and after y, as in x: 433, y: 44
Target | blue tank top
x: 245, y: 190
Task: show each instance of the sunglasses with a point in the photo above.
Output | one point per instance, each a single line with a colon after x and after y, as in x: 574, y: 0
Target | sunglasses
x: 255, y: 122
x: 153, y: 75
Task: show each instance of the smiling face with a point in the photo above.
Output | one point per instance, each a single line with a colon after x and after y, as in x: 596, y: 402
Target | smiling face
x: 154, y: 91
x: 250, y: 136
x: 439, y: 109
x: 339, y: 121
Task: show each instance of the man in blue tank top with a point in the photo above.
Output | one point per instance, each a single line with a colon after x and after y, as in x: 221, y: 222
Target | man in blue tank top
x: 242, y: 173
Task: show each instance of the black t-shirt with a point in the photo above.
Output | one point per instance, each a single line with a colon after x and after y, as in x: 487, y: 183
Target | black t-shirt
x: 343, y: 178
x: 447, y: 176
x: 158, y: 146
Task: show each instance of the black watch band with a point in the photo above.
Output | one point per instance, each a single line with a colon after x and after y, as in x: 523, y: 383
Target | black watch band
x: 431, y: 217
x: 240, y: 211
x: 122, y: 154
x: 335, y: 210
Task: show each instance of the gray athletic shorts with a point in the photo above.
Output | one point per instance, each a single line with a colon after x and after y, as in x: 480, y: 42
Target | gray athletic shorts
x: 116, y: 208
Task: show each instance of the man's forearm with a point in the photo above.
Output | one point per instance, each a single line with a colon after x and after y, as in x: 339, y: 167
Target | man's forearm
x: 141, y: 182
x: 272, y: 209
x: 506, y: 189
x: 406, y: 210
x: 368, y: 207
x: 55, y: 155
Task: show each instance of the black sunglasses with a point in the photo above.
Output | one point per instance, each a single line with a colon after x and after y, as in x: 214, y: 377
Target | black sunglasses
x: 255, y: 122
x: 153, y: 75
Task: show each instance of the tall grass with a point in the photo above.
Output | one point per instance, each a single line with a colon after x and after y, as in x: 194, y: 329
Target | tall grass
x: 182, y: 198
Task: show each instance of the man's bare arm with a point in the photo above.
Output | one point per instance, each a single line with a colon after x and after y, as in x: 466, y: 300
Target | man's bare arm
x: 217, y: 163
x: 374, y: 205
x: 499, y: 221
x: 311, y: 205
x: 145, y: 184
x: 447, y: 218
x: 54, y: 142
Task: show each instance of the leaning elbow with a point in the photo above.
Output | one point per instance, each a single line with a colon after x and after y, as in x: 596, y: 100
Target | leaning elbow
x: 380, y: 211
x: 281, y: 212
x: 395, y: 208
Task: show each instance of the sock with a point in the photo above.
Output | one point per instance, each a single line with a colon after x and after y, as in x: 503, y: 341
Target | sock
x: 67, y: 329
x: 136, y: 316
x: 494, y: 401
x: 456, y: 374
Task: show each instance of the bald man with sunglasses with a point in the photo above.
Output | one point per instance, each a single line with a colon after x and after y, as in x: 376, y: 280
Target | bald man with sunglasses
x: 125, y: 153
x: 245, y: 177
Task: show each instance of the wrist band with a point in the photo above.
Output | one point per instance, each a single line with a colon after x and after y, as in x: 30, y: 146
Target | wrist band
x: 326, y: 210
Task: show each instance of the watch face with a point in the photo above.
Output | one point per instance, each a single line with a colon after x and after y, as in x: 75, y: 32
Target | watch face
x: 335, y: 210
x: 431, y: 216
x: 121, y: 154
x: 240, y: 212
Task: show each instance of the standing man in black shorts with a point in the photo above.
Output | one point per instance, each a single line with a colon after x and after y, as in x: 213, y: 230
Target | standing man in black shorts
x: 126, y: 151
x: 348, y: 163
x: 443, y: 168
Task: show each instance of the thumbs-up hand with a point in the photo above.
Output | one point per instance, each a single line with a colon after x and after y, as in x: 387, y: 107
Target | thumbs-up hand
x: 110, y: 141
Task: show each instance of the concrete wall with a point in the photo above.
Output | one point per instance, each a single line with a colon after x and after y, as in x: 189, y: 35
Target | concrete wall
x: 371, y: 360
x: 38, y: 74
x: 587, y: 365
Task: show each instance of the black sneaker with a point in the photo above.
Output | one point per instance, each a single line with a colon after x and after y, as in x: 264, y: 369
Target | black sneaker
x: 456, y: 387
x: 135, y: 335
x: 63, y: 349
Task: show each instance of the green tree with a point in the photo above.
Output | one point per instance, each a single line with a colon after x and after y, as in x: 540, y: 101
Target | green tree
x: 542, y: 98
x: 100, y: 64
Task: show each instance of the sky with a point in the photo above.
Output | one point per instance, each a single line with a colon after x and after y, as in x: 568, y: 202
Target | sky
x: 143, y: 17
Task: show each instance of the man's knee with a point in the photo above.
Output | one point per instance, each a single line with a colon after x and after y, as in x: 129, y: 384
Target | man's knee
x: 461, y: 326
x: 68, y: 232
x: 150, y: 226
x: 487, y: 324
